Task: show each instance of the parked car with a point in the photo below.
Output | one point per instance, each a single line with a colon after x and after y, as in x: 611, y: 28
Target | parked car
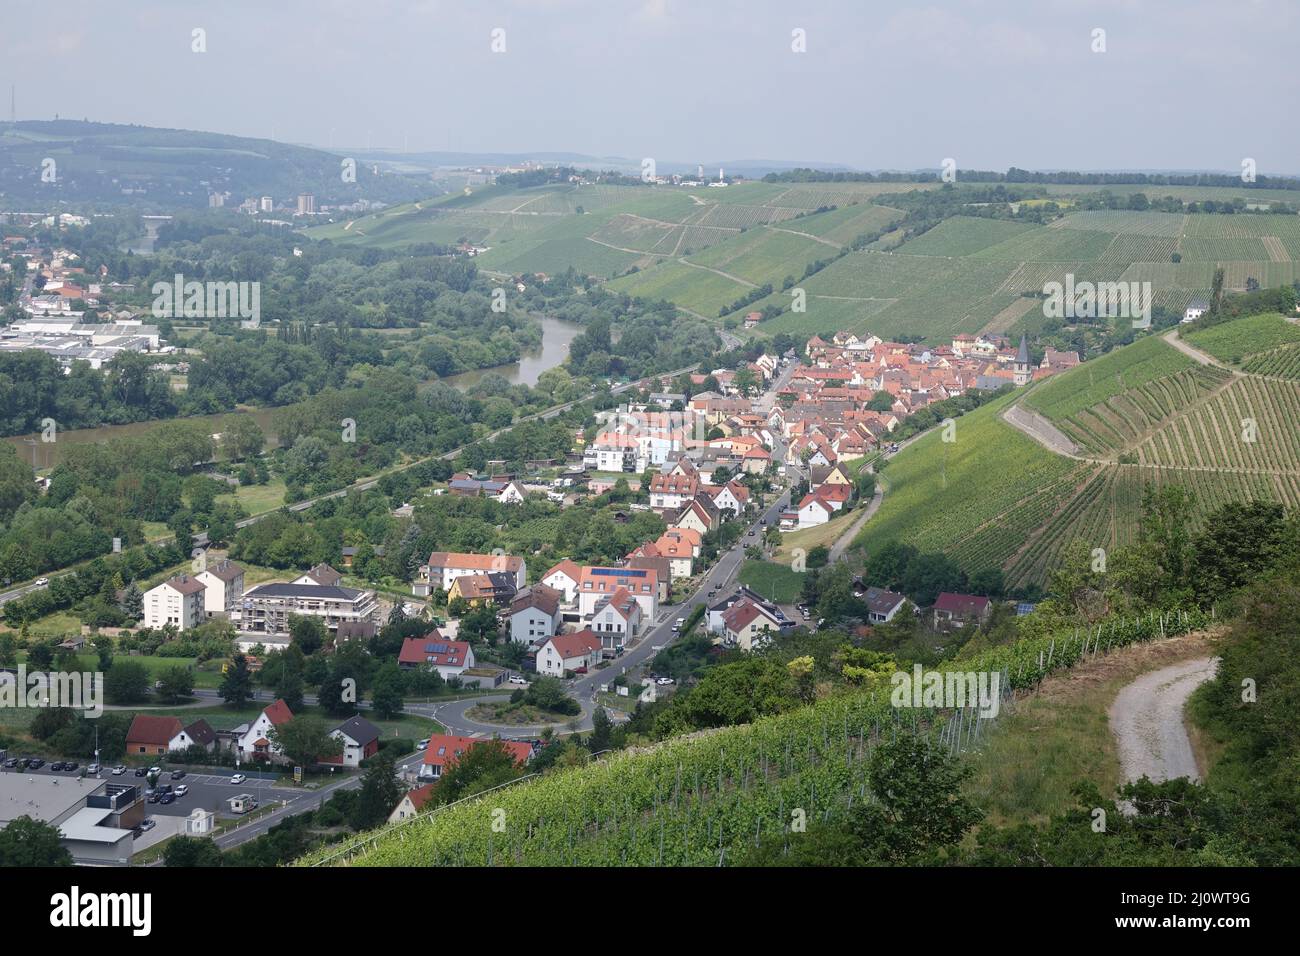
x: 141, y: 772
x: 154, y: 796
x: 664, y: 681
x: 56, y: 766
x: 240, y: 778
x: 518, y: 679
x: 11, y: 762
x: 93, y: 768
x: 155, y: 770
x: 24, y: 762
x: 167, y: 798
x: 36, y: 763
x: 148, y: 823
x: 182, y: 790
x: 178, y: 774
x: 71, y: 765
x: 119, y: 770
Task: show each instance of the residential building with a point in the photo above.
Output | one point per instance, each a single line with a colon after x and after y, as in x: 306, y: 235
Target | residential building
x: 534, y: 613
x: 444, y: 749
x: 494, y: 587
x: 595, y: 583
x: 223, y: 584
x: 253, y: 741
x: 564, y: 578
x: 435, y: 652
x: 152, y: 735
x: 322, y: 575
x: 568, y: 652
x: 411, y: 803
x: 360, y: 740
x: 748, y: 625
x: 178, y: 601
x: 882, y: 605
x: 266, y: 608
x: 960, y: 609
x: 443, y: 567
x: 616, y: 619
x: 197, y: 734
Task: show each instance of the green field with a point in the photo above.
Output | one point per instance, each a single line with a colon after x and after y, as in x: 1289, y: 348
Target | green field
x: 776, y: 582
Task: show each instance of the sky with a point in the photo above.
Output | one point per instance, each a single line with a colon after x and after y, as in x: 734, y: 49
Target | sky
x: 1180, y: 84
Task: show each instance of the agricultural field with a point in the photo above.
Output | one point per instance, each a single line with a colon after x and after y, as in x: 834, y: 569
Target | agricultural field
x: 776, y: 582
x: 1278, y: 363
x: 1244, y: 338
x: 964, y: 236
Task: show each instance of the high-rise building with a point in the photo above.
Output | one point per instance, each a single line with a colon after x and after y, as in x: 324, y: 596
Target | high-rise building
x: 267, y: 204
x: 306, y: 204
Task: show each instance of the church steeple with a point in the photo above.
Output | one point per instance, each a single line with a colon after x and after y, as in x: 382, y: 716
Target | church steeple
x: 1021, y: 368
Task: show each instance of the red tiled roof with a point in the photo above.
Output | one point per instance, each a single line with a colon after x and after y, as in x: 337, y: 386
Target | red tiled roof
x: 576, y: 644
x: 278, y: 713
x: 443, y: 749
x: 147, y: 729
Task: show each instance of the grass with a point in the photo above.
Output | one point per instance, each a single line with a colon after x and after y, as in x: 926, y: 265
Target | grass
x: 776, y: 582
x: 821, y: 536
x: 1060, y: 734
x: 257, y: 499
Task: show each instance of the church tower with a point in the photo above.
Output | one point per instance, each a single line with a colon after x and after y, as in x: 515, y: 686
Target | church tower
x: 1022, y: 371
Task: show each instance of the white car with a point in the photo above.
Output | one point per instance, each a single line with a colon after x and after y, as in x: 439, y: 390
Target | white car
x: 238, y: 778
x: 41, y: 582
x: 119, y: 770
x: 516, y: 679
x: 677, y: 625
x: 181, y: 790
x: 664, y: 681
x: 423, y: 744
x: 155, y: 769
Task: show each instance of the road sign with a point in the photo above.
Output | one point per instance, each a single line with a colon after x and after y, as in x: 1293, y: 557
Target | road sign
x: 297, y: 774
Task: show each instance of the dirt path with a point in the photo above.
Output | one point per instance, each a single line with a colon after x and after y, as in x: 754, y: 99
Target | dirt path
x: 1193, y: 353
x: 1041, y: 430
x: 1147, y: 721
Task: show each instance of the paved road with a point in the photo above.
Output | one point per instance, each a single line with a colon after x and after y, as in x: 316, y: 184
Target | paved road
x: 1147, y: 721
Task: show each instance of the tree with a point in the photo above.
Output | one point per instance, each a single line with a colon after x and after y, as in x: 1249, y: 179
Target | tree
x: 305, y: 740
x: 26, y: 842
x: 601, y: 731
x: 289, y: 686
x: 380, y: 792
x: 237, y: 682
x: 386, y: 695
x: 127, y: 683
x: 132, y: 603
x: 177, y: 684
x: 191, y: 851
x: 307, y: 632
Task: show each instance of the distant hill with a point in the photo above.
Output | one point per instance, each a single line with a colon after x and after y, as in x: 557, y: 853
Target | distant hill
x: 113, y: 163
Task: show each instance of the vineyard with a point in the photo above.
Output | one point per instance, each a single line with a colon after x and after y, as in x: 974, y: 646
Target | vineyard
x: 702, y: 800
x: 1242, y: 338
x: 1278, y: 363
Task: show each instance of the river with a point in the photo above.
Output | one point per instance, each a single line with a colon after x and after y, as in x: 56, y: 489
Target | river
x: 557, y: 335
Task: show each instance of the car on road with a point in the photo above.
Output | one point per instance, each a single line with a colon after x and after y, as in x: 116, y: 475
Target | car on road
x: 147, y: 824
x: 677, y: 624
x: 240, y: 778
x: 517, y: 679
x: 182, y: 790
x: 119, y: 770
x: 41, y: 582
x: 664, y: 681
x: 423, y: 744
x: 178, y: 774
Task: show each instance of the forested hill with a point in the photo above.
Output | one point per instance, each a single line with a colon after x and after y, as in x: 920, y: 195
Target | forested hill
x: 114, y: 163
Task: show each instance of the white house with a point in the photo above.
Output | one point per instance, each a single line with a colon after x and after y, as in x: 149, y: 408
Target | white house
x: 410, y: 804
x: 615, y: 619
x: 178, y: 601
x: 564, y: 578
x: 1195, y: 309
x: 814, y: 511
x: 534, y: 613
x: 748, y: 624
x: 253, y: 741
x: 435, y: 652
x: 224, y: 586
x: 882, y: 605
x: 512, y: 494
x: 595, y: 583
x: 197, y: 734
x: 360, y: 739
x: 568, y: 652
x: 444, y: 567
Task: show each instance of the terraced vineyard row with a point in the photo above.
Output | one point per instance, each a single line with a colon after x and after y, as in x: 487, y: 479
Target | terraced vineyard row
x: 1087, y: 517
x: 1279, y: 363
x: 1249, y: 426
x: 1123, y: 419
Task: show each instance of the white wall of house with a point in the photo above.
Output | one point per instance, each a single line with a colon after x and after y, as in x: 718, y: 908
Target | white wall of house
x: 529, y: 624
x: 218, y: 596
x: 165, y: 605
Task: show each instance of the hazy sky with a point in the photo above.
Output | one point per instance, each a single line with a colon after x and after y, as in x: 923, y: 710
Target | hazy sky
x: 1183, y: 84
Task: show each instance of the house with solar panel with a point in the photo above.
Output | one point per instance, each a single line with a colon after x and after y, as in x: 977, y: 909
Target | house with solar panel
x: 595, y: 583
x: 435, y: 652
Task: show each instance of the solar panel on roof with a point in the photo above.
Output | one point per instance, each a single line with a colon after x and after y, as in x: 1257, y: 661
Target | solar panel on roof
x: 436, y: 648
x: 619, y: 572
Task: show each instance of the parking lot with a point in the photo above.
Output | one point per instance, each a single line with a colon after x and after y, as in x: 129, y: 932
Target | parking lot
x: 206, y: 790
